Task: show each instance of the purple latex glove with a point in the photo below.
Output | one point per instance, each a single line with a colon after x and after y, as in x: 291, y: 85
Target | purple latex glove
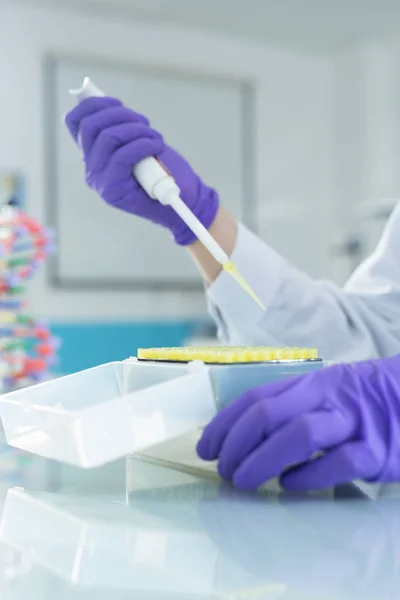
x: 113, y: 139
x: 349, y: 412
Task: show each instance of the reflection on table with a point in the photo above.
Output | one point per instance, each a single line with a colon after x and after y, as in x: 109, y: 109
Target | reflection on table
x: 176, y: 535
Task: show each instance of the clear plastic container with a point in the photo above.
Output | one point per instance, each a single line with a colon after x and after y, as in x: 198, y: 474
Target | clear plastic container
x: 99, y: 415
x: 102, y: 414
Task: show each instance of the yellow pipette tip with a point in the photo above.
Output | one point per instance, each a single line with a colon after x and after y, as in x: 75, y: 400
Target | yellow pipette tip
x: 228, y: 355
x: 230, y: 268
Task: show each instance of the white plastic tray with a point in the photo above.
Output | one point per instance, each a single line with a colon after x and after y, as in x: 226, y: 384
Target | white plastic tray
x: 99, y: 415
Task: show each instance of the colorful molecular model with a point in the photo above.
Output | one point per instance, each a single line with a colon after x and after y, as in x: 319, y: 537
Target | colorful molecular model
x: 27, y: 348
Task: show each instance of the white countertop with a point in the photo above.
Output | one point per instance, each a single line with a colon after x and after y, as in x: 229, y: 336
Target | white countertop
x: 178, y: 535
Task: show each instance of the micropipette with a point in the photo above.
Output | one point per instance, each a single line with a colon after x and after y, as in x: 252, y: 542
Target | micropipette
x: 159, y: 184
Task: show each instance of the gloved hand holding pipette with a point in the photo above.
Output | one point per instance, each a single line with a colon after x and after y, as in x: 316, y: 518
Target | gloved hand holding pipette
x: 113, y: 139
x: 132, y: 168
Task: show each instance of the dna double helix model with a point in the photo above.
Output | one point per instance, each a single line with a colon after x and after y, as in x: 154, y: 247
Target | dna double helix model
x: 28, y: 351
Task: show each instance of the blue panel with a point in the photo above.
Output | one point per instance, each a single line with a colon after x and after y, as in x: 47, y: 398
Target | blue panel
x: 87, y: 345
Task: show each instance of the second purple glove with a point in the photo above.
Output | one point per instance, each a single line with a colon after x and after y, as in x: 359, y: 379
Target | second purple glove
x: 113, y: 140
x: 351, y: 413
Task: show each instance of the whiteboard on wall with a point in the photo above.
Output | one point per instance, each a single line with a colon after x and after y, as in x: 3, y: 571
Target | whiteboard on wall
x: 209, y: 119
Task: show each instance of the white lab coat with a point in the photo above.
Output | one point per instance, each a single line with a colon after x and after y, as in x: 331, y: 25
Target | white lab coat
x: 356, y: 322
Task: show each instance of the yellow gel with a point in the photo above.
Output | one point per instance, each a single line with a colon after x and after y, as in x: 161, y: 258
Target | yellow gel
x: 231, y: 268
x: 228, y: 355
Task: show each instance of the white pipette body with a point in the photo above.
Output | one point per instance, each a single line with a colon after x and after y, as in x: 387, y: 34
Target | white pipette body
x: 160, y: 185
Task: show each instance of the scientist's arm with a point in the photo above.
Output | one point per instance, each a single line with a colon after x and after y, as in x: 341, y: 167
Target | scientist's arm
x: 360, y: 321
x: 345, y: 324
x: 349, y: 412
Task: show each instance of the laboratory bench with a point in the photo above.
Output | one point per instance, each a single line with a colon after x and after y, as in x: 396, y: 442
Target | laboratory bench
x: 159, y: 531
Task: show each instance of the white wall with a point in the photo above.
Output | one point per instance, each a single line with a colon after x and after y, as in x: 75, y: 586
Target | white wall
x: 294, y: 141
x: 366, y: 138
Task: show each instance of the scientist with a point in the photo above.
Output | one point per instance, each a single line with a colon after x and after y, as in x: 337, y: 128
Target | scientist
x: 350, y: 412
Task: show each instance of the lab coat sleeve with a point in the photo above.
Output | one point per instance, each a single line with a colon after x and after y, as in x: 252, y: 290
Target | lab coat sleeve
x: 359, y: 321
